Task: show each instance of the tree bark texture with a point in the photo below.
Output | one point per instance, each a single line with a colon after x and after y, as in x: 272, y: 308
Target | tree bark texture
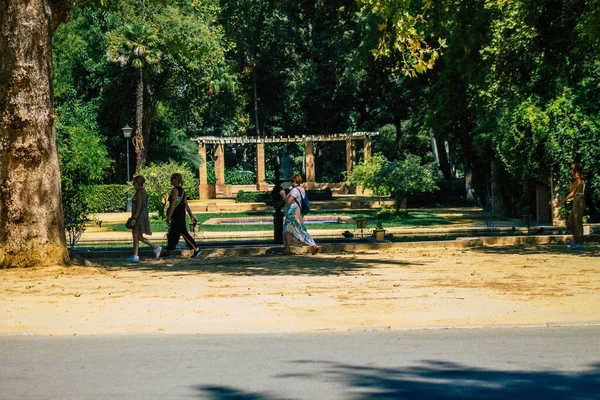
x: 31, y: 218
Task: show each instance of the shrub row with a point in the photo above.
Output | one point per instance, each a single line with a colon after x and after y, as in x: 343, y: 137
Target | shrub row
x: 252, y: 197
x: 106, y: 198
x: 113, y: 198
x: 259, y: 197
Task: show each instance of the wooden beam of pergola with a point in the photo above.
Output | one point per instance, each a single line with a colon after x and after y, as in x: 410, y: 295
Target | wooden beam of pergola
x: 283, y: 139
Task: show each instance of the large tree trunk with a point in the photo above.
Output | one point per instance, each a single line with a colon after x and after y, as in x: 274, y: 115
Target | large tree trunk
x: 31, y: 217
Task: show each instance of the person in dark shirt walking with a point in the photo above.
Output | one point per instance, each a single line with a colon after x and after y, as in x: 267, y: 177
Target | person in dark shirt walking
x: 178, y: 206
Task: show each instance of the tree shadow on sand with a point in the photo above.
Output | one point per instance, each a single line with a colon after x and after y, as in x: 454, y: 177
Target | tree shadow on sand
x: 590, y: 250
x: 435, y: 380
x: 262, y: 265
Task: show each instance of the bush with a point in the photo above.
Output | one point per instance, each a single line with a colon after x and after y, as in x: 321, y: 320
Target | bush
x: 158, y: 184
x: 252, y: 197
x: 387, y: 213
x: 105, y: 198
x: 400, y: 178
x: 239, y: 177
x: 75, y: 209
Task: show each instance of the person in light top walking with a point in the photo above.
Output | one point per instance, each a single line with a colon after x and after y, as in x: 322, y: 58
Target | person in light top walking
x: 142, y: 221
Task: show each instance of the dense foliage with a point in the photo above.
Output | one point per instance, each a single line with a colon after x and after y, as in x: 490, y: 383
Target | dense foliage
x: 399, y: 178
x: 106, y: 198
x: 502, y: 89
x: 158, y: 185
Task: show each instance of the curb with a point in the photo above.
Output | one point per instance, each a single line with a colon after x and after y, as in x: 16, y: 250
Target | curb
x: 254, y: 250
x: 389, y: 329
x: 479, y: 326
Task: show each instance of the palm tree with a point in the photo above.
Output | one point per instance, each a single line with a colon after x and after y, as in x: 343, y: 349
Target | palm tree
x: 137, y: 45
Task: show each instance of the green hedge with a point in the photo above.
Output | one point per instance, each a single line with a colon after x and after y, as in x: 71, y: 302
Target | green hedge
x: 259, y: 197
x: 252, y: 197
x: 106, y: 198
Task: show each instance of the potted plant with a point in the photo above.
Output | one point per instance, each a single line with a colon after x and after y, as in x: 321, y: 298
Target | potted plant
x: 587, y: 228
x: 379, y: 232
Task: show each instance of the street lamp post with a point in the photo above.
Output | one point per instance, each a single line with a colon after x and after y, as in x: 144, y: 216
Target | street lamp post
x: 127, y: 133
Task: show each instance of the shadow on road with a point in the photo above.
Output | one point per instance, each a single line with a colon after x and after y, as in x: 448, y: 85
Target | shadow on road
x: 437, y: 380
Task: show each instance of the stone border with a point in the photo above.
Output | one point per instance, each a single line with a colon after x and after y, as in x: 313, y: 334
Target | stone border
x: 269, y: 220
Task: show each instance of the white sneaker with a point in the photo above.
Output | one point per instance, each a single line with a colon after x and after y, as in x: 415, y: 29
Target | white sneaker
x: 133, y: 259
x: 157, y: 251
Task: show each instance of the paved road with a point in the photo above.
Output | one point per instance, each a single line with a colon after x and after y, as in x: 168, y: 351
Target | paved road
x: 542, y: 363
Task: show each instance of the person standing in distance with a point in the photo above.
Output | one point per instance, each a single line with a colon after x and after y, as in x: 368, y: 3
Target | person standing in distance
x: 577, y: 193
x: 178, y: 206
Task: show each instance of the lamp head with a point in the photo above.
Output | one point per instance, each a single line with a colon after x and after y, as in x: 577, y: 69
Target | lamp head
x: 127, y: 131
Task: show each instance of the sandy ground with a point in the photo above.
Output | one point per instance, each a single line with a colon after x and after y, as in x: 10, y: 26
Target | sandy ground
x: 390, y: 289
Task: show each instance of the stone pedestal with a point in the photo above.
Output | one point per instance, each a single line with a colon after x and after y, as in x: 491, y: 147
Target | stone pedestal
x: 224, y: 191
x: 207, y: 191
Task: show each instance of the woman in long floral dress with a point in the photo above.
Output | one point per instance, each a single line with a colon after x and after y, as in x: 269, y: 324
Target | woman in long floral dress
x: 294, y: 230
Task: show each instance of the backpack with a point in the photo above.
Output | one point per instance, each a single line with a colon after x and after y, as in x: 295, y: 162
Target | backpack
x: 304, y: 204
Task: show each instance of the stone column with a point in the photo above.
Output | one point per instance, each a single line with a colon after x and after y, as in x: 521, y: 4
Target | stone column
x: 368, y: 148
x: 261, y: 185
x: 220, y: 167
x: 309, y: 166
x: 203, y: 188
x: 350, y: 156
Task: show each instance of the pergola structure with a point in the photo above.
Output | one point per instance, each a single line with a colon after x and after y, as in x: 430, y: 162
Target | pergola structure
x: 220, y: 189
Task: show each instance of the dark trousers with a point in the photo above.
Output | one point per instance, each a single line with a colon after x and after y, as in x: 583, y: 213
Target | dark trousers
x: 177, y: 230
